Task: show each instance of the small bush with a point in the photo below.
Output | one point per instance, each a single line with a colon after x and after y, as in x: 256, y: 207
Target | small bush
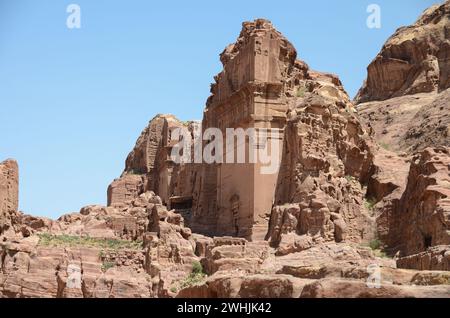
x: 107, y: 265
x: 196, y: 277
x: 135, y: 171
x: 370, y: 203
x: 192, y: 280
x: 173, y: 289
x: 197, y: 268
x: 375, y: 244
x: 349, y: 178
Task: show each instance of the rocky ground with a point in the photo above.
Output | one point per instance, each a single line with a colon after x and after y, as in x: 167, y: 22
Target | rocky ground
x: 361, y: 204
x: 114, y: 260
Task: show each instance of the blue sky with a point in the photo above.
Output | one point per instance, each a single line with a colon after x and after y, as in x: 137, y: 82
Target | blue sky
x: 74, y: 101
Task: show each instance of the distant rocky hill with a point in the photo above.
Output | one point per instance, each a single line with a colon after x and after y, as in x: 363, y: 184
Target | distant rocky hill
x: 405, y: 105
x: 413, y: 60
x: 351, y: 205
x: 405, y: 98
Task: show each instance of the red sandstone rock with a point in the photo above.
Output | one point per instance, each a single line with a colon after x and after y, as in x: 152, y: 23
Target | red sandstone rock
x: 409, y: 123
x: 413, y: 60
x: 240, y: 286
x: 124, y: 190
x: 338, y: 288
x: 421, y: 217
x: 327, y: 155
x: 434, y: 258
x: 314, y: 212
x: 9, y: 196
x: 28, y: 267
x: 227, y: 254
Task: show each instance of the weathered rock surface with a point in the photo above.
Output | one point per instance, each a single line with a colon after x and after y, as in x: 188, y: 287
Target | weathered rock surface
x: 136, y: 251
x: 30, y: 271
x: 327, y: 156
x: 413, y: 60
x: 432, y: 125
x: 434, y: 258
x: 149, y: 165
x: 404, y: 105
x: 325, y: 270
x: 303, y: 231
x: 409, y: 123
x: 338, y: 288
x: 246, y: 286
x: 9, y: 195
x: 420, y: 217
x: 405, y: 100
x: 388, y: 175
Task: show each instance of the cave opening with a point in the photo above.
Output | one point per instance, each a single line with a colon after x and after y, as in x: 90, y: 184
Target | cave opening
x: 427, y: 240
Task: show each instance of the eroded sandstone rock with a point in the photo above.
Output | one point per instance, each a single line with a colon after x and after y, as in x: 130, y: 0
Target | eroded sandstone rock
x: 413, y: 60
x: 434, y: 258
x: 9, y: 195
x: 110, y: 249
x: 404, y: 106
x: 410, y: 123
x: 150, y: 167
x: 335, y: 191
x: 235, y: 285
x: 327, y: 156
x: 339, y: 288
x: 230, y: 254
x: 420, y: 218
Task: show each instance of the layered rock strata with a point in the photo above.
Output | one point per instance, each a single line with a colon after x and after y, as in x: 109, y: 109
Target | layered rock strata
x: 413, y: 60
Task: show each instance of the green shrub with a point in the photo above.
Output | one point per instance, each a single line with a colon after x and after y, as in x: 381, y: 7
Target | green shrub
x: 375, y: 244
x: 135, y: 171
x: 369, y: 203
x: 349, y: 178
x: 196, y: 277
x: 192, y: 280
x: 107, y: 265
x: 197, y: 268
x: 46, y: 239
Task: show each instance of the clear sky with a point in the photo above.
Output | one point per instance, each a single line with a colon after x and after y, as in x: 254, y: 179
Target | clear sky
x: 74, y: 101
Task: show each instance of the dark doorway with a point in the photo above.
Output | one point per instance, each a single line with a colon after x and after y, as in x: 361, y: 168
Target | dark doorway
x: 427, y: 241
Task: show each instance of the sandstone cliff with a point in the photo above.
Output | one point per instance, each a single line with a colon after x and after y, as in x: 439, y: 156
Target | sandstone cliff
x: 9, y: 195
x: 405, y: 98
x: 420, y: 218
x: 340, y: 213
x: 262, y: 85
x: 413, y: 60
x: 405, y: 106
x: 327, y: 159
x: 136, y: 251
